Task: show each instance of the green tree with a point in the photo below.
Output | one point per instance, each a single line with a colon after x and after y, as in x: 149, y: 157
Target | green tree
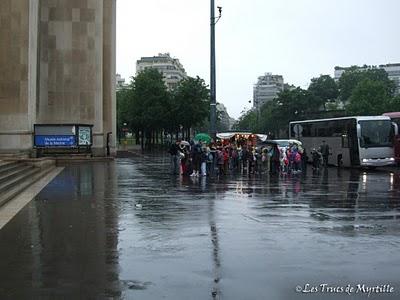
x: 370, y: 97
x: 151, y: 104
x: 267, y: 120
x: 325, y: 88
x: 290, y: 105
x: 127, y: 111
x: 296, y: 104
x: 393, y: 104
x: 352, y: 77
x: 123, y: 106
x: 190, y: 103
x: 247, y: 121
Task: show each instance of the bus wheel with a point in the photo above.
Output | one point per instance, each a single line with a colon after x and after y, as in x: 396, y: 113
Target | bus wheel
x: 339, y: 161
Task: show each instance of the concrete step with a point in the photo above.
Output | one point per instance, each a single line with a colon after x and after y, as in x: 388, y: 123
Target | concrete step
x: 18, y: 179
x: 14, y: 156
x: 23, y: 183
x: 7, y: 166
x: 14, y: 172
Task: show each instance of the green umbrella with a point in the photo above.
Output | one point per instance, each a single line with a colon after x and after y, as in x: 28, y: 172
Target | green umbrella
x: 204, y: 137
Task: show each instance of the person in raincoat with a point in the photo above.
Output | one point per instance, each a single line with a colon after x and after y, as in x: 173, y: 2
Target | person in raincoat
x: 275, y: 160
x: 324, y: 149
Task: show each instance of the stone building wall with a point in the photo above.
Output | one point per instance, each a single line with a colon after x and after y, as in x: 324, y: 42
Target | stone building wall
x: 57, y: 57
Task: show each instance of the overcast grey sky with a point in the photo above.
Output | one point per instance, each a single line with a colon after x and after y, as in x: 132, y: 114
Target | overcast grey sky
x: 298, y: 39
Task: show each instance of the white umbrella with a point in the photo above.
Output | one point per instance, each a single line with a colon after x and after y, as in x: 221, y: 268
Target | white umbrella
x: 185, y: 143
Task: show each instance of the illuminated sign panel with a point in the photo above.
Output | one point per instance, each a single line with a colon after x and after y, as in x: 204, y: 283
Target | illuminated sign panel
x: 62, y: 135
x: 55, y: 141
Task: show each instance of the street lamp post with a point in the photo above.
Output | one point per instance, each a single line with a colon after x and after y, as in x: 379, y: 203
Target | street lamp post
x: 213, y: 94
x: 257, y: 116
x: 256, y: 107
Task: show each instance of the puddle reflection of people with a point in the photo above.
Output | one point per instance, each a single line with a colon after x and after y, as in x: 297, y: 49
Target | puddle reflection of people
x: 395, y: 190
x: 203, y: 184
x: 352, y: 190
x: 296, y: 185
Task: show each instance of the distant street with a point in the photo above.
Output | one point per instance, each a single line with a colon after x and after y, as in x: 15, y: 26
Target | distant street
x: 128, y: 229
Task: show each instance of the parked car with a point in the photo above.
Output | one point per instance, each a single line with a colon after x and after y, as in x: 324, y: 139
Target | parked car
x: 283, y: 143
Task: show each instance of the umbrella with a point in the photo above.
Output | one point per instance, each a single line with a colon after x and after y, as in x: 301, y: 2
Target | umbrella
x: 204, y: 137
x: 185, y: 143
x: 226, y: 135
x: 262, y: 137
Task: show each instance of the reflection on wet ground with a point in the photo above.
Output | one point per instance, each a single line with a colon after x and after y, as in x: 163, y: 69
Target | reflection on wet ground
x: 130, y: 230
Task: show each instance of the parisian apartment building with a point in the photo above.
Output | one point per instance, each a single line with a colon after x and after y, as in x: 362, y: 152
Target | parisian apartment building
x: 267, y: 88
x: 170, y: 67
x: 120, y: 82
x: 393, y: 71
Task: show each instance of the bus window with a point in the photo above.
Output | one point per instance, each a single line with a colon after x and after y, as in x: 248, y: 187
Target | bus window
x: 375, y: 133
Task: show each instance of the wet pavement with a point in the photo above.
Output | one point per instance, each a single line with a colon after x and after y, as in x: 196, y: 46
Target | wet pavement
x: 127, y: 229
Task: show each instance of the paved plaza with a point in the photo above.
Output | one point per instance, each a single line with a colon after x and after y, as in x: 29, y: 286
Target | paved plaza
x: 129, y: 230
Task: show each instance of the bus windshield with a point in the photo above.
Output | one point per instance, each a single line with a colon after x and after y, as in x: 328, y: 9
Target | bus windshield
x: 375, y: 133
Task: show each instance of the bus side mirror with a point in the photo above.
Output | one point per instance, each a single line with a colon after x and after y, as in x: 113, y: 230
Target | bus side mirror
x: 360, y: 136
x: 395, y: 128
x: 394, y: 131
x: 358, y: 130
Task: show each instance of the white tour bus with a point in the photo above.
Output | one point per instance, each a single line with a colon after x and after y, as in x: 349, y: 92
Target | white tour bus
x: 353, y: 141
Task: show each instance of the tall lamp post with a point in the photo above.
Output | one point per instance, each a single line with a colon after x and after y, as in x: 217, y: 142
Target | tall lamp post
x: 257, y: 115
x: 213, y: 94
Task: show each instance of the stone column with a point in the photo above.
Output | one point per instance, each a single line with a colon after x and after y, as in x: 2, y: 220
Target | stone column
x: 34, y: 7
x: 109, y: 73
x: 18, y: 76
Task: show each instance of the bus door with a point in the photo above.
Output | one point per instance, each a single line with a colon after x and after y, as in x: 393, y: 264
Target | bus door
x: 353, y: 143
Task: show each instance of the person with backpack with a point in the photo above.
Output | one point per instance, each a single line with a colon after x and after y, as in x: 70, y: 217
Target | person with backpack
x: 196, y: 158
x: 220, y: 161
x: 297, y: 162
x: 316, y: 159
x: 175, y: 153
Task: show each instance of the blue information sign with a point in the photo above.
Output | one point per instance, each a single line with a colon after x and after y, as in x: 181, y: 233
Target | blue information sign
x: 55, y: 140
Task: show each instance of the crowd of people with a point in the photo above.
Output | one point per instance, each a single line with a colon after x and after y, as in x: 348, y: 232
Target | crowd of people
x: 209, y: 159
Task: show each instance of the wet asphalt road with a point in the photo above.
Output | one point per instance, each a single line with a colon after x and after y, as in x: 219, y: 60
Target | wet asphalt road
x: 127, y: 229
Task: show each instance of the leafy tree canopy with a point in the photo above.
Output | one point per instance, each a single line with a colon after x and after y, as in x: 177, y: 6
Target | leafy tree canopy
x: 324, y: 87
x: 352, y: 77
x: 151, y: 99
x: 191, y: 102
x: 247, y: 121
x: 147, y: 106
x: 369, y: 97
